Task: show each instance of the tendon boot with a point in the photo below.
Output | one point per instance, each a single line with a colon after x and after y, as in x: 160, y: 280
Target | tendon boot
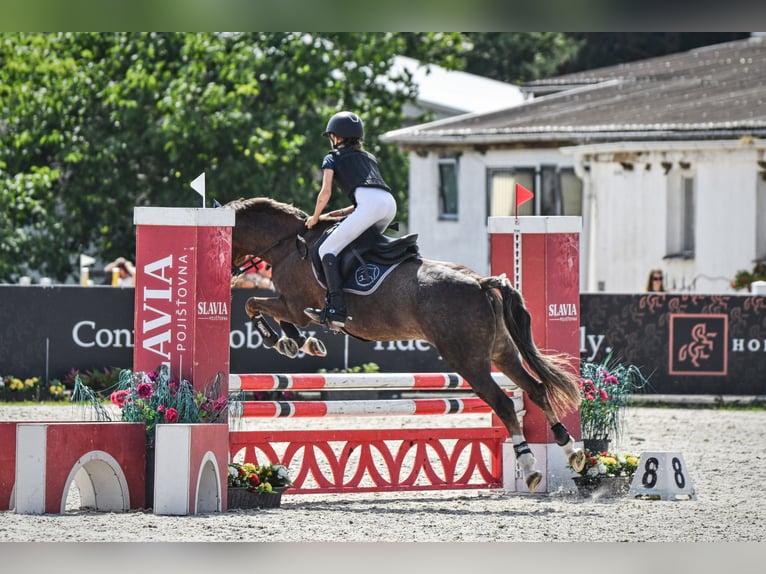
x: 334, y: 313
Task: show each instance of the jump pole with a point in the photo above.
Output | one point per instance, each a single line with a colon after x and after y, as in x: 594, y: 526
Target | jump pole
x: 541, y: 257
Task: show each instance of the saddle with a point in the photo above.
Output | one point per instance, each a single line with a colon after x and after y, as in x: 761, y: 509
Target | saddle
x: 367, y: 260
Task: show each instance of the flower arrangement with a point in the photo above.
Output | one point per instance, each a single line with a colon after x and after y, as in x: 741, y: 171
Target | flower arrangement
x: 604, y: 389
x: 608, y: 473
x: 156, y: 398
x: 56, y: 390
x: 16, y: 384
x: 608, y: 463
x: 743, y: 278
x: 268, y: 478
x: 16, y: 389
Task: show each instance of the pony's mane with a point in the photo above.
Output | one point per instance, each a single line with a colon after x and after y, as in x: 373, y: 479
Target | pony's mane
x: 265, y: 204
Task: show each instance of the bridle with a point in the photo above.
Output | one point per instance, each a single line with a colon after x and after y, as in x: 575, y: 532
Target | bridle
x: 300, y: 245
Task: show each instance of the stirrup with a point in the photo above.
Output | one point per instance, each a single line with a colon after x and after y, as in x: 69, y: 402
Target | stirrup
x: 321, y: 316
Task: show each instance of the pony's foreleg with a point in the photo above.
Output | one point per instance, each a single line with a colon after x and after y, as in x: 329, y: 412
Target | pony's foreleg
x: 269, y: 336
x: 293, y: 336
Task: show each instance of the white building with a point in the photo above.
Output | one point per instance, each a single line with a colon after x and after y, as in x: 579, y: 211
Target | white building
x: 663, y: 158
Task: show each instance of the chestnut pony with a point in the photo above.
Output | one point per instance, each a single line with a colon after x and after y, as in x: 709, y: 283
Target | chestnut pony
x: 472, y: 321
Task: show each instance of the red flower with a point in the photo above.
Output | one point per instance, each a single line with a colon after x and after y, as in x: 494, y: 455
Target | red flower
x: 604, y: 396
x: 254, y: 480
x: 119, y: 398
x: 171, y: 415
x: 160, y: 408
x: 144, y: 390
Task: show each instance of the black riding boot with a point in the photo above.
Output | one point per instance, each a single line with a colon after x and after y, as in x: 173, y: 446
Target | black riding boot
x: 334, y: 313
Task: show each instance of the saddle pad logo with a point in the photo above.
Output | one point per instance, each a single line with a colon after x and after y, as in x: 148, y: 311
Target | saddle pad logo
x: 698, y: 344
x: 366, y: 275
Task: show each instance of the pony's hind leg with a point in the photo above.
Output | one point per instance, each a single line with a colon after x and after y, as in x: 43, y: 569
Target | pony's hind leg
x: 510, y: 364
x: 487, y: 389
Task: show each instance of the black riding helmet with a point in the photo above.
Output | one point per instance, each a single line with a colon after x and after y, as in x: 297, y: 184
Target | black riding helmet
x: 346, y: 125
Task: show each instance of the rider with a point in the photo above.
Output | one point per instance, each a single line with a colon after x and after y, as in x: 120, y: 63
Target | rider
x: 355, y: 171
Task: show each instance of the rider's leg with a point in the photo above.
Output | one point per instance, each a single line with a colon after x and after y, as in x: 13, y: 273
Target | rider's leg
x: 375, y: 207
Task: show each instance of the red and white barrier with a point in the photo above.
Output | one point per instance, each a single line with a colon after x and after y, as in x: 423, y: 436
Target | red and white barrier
x: 105, y: 460
x: 191, y: 468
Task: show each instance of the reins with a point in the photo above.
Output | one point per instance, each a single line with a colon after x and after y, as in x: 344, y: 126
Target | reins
x: 301, y: 247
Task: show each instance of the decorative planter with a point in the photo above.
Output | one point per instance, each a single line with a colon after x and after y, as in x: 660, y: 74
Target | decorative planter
x: 604, y: 486
x: 241, y: 497
x: 596, y: 444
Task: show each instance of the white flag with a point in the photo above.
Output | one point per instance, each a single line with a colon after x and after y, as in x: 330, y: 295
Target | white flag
x: 86, y: 260
x: 198, y: 185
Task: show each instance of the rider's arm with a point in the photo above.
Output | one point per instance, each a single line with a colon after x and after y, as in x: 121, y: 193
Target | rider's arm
x: 322, y: 199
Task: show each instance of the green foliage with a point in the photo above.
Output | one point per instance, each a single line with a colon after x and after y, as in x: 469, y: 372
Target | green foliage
x: 93, y: 124
x: 97, y: 379
x: 519, y: 57
x: 744, y: 278
x: 364, y: 368
x: 605, y: 388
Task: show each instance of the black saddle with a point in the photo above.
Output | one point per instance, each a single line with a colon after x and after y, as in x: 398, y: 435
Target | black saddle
x: 371, y: 247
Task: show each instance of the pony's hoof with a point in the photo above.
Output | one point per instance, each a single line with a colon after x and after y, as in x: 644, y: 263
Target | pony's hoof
x: 314, y: 347
x: 287, y: 347
x: 577, y: 461
x: 533, y: 480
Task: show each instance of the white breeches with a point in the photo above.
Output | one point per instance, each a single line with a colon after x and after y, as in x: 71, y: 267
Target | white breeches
x: 374, y: 207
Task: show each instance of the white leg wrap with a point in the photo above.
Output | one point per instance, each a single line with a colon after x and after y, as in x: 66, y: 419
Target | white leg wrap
x: 524, y: 456
x: 569, y: 448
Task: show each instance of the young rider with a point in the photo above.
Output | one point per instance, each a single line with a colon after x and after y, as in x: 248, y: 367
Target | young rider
x: 355, y: 172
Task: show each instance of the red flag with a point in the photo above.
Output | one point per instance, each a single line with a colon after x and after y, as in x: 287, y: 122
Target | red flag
x: 522, y: 195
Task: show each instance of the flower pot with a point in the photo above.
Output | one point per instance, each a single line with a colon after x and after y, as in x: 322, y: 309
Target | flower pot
x: 241, y: 497
x: 596, y: 444
x: 602, y: 486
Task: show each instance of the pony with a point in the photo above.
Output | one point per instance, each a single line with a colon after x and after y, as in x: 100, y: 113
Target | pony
x: 471, y: 320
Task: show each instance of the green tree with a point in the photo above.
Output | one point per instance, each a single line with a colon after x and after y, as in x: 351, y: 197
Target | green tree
x: 93, y: 124
x: 518, y: 57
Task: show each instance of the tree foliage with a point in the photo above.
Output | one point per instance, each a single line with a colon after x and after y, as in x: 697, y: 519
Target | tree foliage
x: 93, y: 124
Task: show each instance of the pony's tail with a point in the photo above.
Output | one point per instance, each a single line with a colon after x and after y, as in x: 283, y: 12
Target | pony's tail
x: 553, y: 371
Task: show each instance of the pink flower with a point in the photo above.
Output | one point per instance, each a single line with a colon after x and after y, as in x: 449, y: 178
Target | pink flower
x: 220, y: 403
x: 160, y: 408
x: 152, y: 375
x: 611, y: 380
x: 144, y: 390
x: 119, y: 398
x: 604, y: 396
x: 171, y: 415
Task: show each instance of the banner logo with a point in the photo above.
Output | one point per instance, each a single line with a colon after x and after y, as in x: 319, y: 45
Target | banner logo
x: 698, y: 344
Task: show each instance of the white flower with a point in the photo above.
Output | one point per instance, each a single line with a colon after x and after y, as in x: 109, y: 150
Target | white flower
x: 233, y: 472
x: 601, y: 468
x: 282, y: 472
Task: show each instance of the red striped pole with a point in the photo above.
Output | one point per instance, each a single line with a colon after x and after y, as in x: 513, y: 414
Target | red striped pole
x: 356, y: 381
x: 394, y: 407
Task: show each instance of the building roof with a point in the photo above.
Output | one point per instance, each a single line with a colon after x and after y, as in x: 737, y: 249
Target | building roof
x: 451, y: 92
x: 715, y: 92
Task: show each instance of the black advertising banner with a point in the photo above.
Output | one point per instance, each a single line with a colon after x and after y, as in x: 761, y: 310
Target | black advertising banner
x: 688, y: 344
x: 47, y: 331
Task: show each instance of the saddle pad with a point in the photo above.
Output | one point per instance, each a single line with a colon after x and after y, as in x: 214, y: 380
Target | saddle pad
x: 364, y: 283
